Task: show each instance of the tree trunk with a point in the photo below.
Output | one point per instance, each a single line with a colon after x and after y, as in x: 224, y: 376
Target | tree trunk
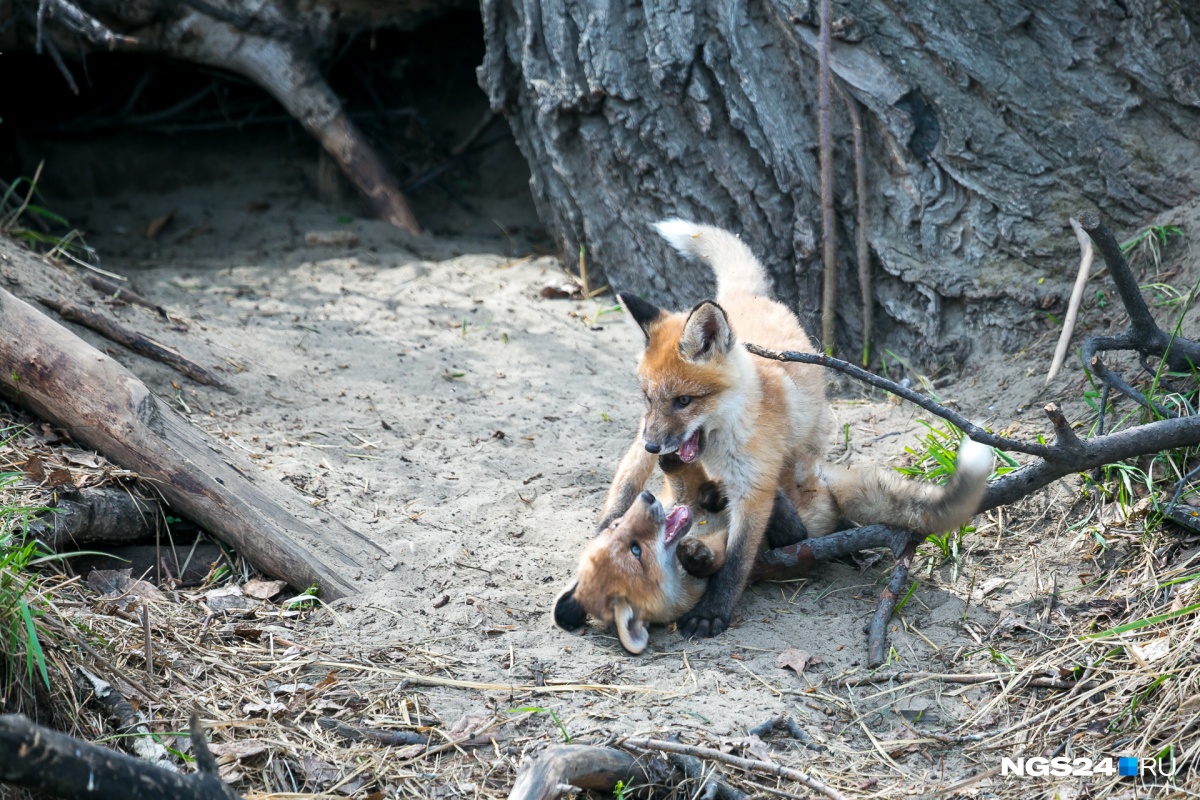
x: 985, y: 124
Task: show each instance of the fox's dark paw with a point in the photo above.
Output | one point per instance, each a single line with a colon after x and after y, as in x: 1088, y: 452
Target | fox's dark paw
x: 696, y: 557
x: 711, y: 498
x: 699, y: 624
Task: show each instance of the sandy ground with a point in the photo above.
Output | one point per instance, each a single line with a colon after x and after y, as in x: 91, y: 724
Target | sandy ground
x: 425, y: 392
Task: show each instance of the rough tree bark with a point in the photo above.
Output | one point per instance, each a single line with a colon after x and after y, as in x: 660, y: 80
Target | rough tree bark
x: 986, y: 124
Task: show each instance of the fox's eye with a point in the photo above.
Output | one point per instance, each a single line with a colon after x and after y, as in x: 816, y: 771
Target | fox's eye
x: 636, y: 549
x: 683, y: 401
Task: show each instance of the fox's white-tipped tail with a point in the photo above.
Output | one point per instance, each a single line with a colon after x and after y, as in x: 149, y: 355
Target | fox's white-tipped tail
x: 872, y: 495
x: 733, y: 263
x: 975, y: 459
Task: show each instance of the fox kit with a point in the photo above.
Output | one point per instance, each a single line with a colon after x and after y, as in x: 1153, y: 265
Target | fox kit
x: 753, y: 426
x: 644, y: 568
x: 629, y: 574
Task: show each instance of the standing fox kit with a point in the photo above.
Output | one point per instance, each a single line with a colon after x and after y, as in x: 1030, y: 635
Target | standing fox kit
x: 757, y: 428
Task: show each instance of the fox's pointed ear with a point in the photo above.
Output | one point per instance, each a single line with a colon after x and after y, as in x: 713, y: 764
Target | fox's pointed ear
x: 643, y: 314
x: 706, y: 333
x: 568, y: 614
x: 633, y: 633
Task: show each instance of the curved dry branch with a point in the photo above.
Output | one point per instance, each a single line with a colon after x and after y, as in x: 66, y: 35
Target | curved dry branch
x: 566, y: 768
x: 972, y: 430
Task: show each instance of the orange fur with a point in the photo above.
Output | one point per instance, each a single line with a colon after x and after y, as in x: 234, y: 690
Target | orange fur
x: 754, y: 426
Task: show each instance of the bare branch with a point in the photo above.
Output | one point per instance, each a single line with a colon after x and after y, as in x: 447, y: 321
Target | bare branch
x: 877, y: 630
x: 958, y: 420
x: 1144, y: 334
x: 825, y: 135
x: 76, y: 20
x: 1081, y: 278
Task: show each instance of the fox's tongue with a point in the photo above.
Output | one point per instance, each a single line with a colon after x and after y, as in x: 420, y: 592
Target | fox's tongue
x: 690, y: 448
x: 677, y: 523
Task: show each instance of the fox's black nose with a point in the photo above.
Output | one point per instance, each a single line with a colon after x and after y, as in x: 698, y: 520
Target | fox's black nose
x: 653, y: 447
x: 647, y: 498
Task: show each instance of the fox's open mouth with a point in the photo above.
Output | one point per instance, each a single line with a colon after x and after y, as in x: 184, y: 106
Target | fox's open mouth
x: 677, y: 524
x: 689, y: 451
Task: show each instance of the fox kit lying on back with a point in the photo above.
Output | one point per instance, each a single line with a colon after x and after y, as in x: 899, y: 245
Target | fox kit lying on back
x: 754, y: 426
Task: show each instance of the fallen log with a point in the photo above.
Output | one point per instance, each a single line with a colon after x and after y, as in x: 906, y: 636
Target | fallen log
x: 66, y: 381
x: 57, y: 765
x: 98, y: 515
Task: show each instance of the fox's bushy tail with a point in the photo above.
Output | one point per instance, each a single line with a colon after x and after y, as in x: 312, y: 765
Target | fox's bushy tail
x: 874, y: 495
x: 732, y: 261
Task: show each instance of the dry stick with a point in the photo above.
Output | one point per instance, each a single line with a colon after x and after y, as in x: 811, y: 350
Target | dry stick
x: 1055, y: 461
x: 137, y: 342
x: 57, y: 765
x: 1081, y: 279
x: 952, y: 677
x: 747, y: 764
x: 825, y: 135
x: 877, y: 630
x: 1144, y: 335
x: 118, y: 292
x: 387, y: 738
x: 693, y: 769
x: 129, y: 721
x: 76, y: 19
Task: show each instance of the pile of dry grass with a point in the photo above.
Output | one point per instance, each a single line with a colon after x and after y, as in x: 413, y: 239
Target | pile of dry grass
x: 294, y: 708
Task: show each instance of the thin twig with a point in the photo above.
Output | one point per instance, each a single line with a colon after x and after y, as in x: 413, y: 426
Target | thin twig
x: 825, y: 137
x: 952, y: 677
x: 79, y: 21
x: 877, y: 630
x: 1081, y: 278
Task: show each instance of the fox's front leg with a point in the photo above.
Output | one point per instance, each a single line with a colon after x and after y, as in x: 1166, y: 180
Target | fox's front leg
x: 747, y: 525
x: 632, y: 473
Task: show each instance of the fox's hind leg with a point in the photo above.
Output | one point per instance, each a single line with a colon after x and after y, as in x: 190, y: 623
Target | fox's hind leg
x: 785, y: 526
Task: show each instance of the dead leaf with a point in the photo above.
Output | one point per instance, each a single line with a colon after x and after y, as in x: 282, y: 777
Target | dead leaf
x: 1151, y: 651
x: 109, y: 581
x: 60, y: 477
x: 262, y: 589
x: 331, y: 239
x: 467, y: 726
x: 753, y: 746
x: 795, y: 659
x: 227, y: 752
x: 83, y: 459
x: 33, y: 468
x: 992, y: 585
x: 228, y: 598
x: 319, y: 773
x: 147, y: 592
x: 411, y: 751
x: 270, y: 707
x: 158, y: 223
x: 914, y: 708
